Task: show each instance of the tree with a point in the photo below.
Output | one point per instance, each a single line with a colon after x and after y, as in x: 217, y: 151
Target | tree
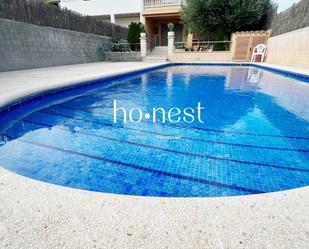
x: 134, y: 32
x: 224, y: 17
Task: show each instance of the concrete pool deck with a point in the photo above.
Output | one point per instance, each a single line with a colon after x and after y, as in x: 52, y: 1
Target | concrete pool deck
x: 15, y: 85
x: 35, y: 214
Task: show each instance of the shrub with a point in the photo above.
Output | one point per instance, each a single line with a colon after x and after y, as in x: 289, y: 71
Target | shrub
x: 119, y: 45
x: 219, y: 46
x: 134, y: 33
x: 215, y: 16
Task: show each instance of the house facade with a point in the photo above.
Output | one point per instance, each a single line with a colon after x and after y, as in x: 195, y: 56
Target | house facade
x: 121, y: 19
x: 156, y: 14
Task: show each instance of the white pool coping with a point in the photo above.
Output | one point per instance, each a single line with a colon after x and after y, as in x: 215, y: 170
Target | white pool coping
x: 17, y: 85
x: 299, y: 70
x: 35, y: 214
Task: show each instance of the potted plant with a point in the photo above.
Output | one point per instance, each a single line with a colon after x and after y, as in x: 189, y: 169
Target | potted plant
x: 143, y: 31
x: 170, y: 27
x: 142, y: 27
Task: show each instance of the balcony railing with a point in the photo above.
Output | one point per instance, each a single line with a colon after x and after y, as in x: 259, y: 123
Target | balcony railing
x: 157, y: 3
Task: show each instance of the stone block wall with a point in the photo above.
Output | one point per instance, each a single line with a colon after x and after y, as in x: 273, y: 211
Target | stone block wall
x: 25, y: 46
x: 123, y: 56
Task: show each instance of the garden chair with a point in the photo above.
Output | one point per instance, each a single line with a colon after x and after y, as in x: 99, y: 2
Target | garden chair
x: 258, y: 50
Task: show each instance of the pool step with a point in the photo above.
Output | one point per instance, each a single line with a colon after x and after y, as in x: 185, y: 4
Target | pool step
x: 150, y: 58
x: 159, y: 50
x: 158, y: 54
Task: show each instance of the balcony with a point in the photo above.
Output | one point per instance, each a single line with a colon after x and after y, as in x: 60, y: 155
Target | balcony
x: 162, y: 3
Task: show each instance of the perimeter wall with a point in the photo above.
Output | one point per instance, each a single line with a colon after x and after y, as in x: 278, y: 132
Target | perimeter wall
x: 289, y: 41
x: 25, y: 46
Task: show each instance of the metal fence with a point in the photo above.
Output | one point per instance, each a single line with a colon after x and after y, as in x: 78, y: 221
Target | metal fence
x: 48, y: 15
x: 202, y: 46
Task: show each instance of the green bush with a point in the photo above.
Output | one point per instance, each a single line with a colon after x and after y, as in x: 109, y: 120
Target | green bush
x: 217, y: 16
x: 119, y: 45
x: 134, y: 32
x: 219, y: 46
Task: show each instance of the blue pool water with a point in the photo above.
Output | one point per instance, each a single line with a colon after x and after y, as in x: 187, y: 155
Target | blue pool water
x: 254, y: 139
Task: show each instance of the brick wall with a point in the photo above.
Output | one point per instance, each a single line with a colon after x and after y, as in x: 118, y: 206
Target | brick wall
x: 24, y: 46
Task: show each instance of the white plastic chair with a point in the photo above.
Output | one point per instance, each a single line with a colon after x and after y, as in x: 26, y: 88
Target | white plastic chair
x: 258, y: 50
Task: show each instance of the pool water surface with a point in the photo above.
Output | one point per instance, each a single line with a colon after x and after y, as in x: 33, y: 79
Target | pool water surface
x: 254, y: 137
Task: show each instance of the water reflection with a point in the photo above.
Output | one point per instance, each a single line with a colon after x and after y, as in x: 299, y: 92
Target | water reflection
x: 254, y: 75
x: 169, y: 81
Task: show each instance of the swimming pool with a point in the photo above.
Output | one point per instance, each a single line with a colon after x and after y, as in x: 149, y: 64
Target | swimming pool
x: 253, y: 137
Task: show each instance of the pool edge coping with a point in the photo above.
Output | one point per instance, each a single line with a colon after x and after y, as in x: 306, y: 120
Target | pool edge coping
x: 69, y: 84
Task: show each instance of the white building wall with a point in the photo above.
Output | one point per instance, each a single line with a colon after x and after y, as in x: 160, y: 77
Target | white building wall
x: 103, y: 7
x: 125, y: 21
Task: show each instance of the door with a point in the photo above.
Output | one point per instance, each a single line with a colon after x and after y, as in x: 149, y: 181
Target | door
x: 241, y: 48
x: 155, y: 38
x: 164, y: 31
x: 244, y: 45
x: 178, y: 32
x: 256, y: 40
